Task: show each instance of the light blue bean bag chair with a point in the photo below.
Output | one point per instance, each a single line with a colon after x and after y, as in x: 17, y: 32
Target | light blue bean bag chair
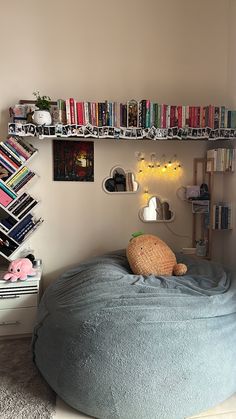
x: 114, y: 345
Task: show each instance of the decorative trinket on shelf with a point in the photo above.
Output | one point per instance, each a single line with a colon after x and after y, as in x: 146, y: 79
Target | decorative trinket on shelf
x: 42, y: 116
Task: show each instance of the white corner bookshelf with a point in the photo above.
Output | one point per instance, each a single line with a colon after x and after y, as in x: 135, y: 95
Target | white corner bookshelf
x: 17, y: 219
x: 217, y: 214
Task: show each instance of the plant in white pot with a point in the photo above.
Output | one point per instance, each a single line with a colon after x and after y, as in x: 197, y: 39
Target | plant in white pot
x: 42, y: 115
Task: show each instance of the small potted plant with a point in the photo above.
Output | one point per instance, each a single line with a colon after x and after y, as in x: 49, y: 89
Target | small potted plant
x: 42, y: 115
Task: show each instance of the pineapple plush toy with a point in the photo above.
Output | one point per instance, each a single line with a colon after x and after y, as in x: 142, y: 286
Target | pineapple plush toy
x: 147, y: 254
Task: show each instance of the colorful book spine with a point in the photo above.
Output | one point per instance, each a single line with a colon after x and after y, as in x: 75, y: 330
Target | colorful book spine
x: 29, y: 208
x: 18, y: 147
x: 24, y: 181
x: 5, y: 199
x: 17, y: 201
x: 80, y: 113
x: 147, y: 113
x: 14, y: 179
x: 61, y: 104
x: 72, y: 111
x: 68, y: 116
x: 86, y: 113
x: 23, y: 205
x: 7, y: 190
x: 19, y: 178
x: 8, y: 160
x: 6, y: 165
x: 10, y: 153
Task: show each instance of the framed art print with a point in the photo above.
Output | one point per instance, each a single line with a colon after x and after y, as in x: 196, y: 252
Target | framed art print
x: 73, y: 161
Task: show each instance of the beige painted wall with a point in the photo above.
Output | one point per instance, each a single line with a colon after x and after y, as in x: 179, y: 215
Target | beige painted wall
x: 228, y: 247
x: 171, y: 51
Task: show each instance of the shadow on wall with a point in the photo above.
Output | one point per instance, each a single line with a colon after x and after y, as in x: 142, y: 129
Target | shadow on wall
x: 4, y: 119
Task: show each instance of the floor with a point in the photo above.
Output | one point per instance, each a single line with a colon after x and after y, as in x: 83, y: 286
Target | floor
x: 226, y: 410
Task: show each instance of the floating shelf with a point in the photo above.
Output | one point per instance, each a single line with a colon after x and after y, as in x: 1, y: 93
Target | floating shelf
x: 123, y: 133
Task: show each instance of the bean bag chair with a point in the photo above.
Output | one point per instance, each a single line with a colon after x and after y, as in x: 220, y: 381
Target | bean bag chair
x: 117, y: 345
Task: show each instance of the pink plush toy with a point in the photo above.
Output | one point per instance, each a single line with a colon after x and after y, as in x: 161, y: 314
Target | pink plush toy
x: 19, y: 269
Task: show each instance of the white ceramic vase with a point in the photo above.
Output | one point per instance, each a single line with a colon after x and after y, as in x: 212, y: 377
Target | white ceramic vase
x: 42, y: 117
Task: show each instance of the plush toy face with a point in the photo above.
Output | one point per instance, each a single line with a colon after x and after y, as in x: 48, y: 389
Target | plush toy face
x: 19, y: 269
x: 148, y: 254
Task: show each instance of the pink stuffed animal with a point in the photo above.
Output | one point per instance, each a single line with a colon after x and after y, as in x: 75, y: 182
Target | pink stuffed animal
x: 19, y: 269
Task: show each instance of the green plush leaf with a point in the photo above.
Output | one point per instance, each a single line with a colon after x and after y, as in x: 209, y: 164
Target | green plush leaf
x: 137, y: 233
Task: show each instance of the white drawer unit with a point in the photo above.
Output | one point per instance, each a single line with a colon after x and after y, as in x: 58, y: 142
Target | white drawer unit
x: 18, y: 304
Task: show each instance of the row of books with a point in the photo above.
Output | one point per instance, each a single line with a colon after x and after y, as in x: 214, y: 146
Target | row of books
x: 146, y: 114
x: 222, y: 216
x: 133, y: 113
x: 7, y: 222
x: 223, y: 160
x: 23, y: 228
x: 13, y: 154
x: 22, y: 205
x: 20, y: 179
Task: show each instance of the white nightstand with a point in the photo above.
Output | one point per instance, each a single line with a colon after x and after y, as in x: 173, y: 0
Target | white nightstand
x: 18, y: 304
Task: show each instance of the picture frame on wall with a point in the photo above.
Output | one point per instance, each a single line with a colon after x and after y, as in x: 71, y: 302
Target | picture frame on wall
x: 73, y: 161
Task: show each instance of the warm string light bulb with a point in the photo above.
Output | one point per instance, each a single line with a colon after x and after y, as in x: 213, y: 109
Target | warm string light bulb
x: 167, y: 166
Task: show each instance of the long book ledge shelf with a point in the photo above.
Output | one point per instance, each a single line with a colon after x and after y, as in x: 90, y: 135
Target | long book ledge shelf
x: 131, y: 133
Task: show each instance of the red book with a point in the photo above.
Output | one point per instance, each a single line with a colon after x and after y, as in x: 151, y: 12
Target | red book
x: 5, y: 199
x: 211, y: 116
x: 163, y: 116
x: 80, y: 113
x: 194, y: 116
x: 72, y: 111
x: 179, y: 109
x: 9, y: 161
x: 190, y: 116
x: 198, y: 116
x: 172, y: 115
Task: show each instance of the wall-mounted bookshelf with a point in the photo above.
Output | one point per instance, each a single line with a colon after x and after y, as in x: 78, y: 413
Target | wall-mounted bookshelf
x: 132, y: 120
x: 16, y: 205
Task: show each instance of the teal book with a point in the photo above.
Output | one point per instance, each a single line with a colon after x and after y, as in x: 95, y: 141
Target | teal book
x: 148, y: 113
x: 233, y: 119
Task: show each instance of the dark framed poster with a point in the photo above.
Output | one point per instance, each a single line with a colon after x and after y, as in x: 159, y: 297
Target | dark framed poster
x: 73, y: 160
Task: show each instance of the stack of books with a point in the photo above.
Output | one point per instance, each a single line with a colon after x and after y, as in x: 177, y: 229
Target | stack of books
x: 222, y: 216
x: 22, y: 205
x: 23, y: 228
x: 7, y: 222
x: 223, y: 160
x: 20, y: 179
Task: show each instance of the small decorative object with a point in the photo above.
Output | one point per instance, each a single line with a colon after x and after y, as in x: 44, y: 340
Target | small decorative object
x: 201, y: 248
x: 42, y: 115
x: 19, y: 269
x: 147, y: 255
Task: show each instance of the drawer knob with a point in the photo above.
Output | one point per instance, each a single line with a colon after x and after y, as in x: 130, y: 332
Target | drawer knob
x: 16, y: 323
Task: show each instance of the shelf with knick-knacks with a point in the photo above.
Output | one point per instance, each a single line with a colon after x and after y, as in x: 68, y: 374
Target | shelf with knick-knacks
x: 133, y: 120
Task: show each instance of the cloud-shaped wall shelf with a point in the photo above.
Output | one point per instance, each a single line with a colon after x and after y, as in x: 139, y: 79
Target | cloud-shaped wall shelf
x: 120, y: 181
x: 157, y: 211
